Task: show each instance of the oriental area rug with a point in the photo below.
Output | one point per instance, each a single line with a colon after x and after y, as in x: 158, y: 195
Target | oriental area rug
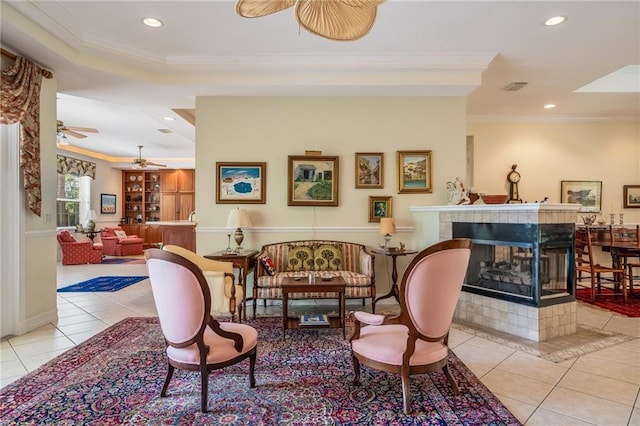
x: 614, y: 303
x: 116, y: 376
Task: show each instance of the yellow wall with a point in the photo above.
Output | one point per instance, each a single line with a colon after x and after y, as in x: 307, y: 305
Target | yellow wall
x: 549, y: 152
x: 269, y: 129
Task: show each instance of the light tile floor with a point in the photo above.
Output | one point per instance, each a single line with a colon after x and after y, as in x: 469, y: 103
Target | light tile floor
x: 600, y: 388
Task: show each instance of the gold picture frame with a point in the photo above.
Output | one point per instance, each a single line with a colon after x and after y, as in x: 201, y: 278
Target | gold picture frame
x: 313, y: 180
x: 379, y: 207
x: 369, y: 169
x: 631, y: 194
x: 587, y: 193
x: 414, y: 172
x: 241, y: 183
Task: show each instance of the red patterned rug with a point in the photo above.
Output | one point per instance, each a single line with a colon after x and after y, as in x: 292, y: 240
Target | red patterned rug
x: 116, y: 376
x: 613, y: 303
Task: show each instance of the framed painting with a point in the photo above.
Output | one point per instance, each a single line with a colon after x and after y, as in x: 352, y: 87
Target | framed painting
x: 313, y: 180
x: 631, y: 196
x: 414, y: 172
x: 587, y: 193
x: 108, y: 203
x: 241, y: 183
x: 379, y: 207
x: 369, y: 170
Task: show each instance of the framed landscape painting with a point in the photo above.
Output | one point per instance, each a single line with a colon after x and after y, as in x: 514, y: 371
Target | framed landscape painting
x: 379, y: 207
x: 369, y: 170
x: 631, y: 196
x: 241, y: 183
x: 587, y: 193
x: 313, y: 181
x: 414, y: 171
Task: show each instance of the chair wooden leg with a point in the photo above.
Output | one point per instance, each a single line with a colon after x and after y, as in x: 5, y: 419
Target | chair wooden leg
x: 204, y: 387
x: 373, y: 305
x: 406, y: 395
x: 163, y: 392
x: 252, y: 367
x: 452, y: 381
x: 356, y: 370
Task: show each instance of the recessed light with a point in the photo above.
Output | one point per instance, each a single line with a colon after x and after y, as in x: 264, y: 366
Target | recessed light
x: 556, y: 20
x: 152, y: 22
x: 549, y: 106
x: 169, y: 118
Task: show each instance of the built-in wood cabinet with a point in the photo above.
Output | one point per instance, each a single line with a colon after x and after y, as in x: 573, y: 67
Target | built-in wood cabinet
x: 157, y: 195
x: 151, y: 234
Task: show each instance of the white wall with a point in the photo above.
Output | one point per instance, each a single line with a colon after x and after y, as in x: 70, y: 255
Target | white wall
x: 270, y: 129
x: 549, y: 152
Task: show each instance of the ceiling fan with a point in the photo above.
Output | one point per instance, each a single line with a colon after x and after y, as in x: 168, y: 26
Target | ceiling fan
x: 143, y: 162
x: 63, y: 130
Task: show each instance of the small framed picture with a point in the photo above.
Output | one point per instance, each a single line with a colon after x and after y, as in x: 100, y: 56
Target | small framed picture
x: 587, y: 193
x: 108, y: 203
x: 414, y: 172
x: 379, y: 207
x: 241, y: 183
x: 312, y: 181
x: 369, y: 170
x: 631, y: 197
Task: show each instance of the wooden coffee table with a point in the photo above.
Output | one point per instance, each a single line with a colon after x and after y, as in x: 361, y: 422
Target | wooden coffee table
x: 302, y: 285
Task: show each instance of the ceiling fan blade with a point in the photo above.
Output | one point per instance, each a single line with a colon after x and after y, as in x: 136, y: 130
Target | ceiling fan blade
x: 66, y: 131
x: 149, y: 163
x: 82, y: 129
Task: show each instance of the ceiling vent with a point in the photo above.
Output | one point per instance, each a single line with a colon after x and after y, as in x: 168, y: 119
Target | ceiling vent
x: 165, y: 130
x: 515, y: 86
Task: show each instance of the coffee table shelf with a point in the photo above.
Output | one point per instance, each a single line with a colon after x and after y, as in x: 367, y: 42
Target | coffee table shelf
x: 291, y: 285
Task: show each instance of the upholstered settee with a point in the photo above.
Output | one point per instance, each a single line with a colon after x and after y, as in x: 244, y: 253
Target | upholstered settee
x: 78, y: 252
x: 353, y: 262
x: 117, y: 243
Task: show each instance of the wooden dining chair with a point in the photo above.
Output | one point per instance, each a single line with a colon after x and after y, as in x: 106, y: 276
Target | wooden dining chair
x: 599, y: 275
x: 627, y: 235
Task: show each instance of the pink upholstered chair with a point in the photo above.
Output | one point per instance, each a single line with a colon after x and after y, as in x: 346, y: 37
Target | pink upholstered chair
x: 195, y: 340
x: 415, y: 341
x: 117, y: 243
x: 78, y: 252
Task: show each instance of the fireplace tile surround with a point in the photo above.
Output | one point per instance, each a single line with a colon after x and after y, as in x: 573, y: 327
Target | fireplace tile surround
x: 538, y: 323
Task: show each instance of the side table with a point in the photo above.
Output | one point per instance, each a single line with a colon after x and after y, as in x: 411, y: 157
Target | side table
x: 245, y: 262
x: 393, y: 291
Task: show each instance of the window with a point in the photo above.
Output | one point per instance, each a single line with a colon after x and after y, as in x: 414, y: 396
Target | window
x: 72, y: 199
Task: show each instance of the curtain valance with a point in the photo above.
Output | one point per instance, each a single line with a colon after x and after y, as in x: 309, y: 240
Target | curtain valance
x: 20, y: 102
x: 76, y: 167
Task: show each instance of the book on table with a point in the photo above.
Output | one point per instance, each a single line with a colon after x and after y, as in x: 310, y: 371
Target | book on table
x: 314, y: 319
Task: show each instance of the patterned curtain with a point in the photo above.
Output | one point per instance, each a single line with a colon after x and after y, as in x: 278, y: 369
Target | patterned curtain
x: 73, y: 166
x: 20, y: 102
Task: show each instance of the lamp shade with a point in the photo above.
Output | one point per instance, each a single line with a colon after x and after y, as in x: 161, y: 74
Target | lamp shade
x: 387, y: 226
x: 91, y: 215
x: 238, y: 218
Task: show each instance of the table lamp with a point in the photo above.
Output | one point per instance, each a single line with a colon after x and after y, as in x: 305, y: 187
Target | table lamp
x: 90, y: 218
x: 387, y: 227
x: 238, y: 218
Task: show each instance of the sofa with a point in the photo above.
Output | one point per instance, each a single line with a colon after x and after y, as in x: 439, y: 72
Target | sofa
x: 353, y: 262
x: 78, y: 252
x: 117, y: 243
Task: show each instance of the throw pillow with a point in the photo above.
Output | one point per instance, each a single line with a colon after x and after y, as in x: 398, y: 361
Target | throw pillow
x: 120, y: 234
x: 299, y: 258
x: 328, y: 257
x: 268, y: 264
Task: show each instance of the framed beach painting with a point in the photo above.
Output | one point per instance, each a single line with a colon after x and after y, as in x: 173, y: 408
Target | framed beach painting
x: 108, y: 203
x: 414, y: 172
x: 241, y: 183
x: 313, y: 181
x: 587, y: 193
x: 369, y: 170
